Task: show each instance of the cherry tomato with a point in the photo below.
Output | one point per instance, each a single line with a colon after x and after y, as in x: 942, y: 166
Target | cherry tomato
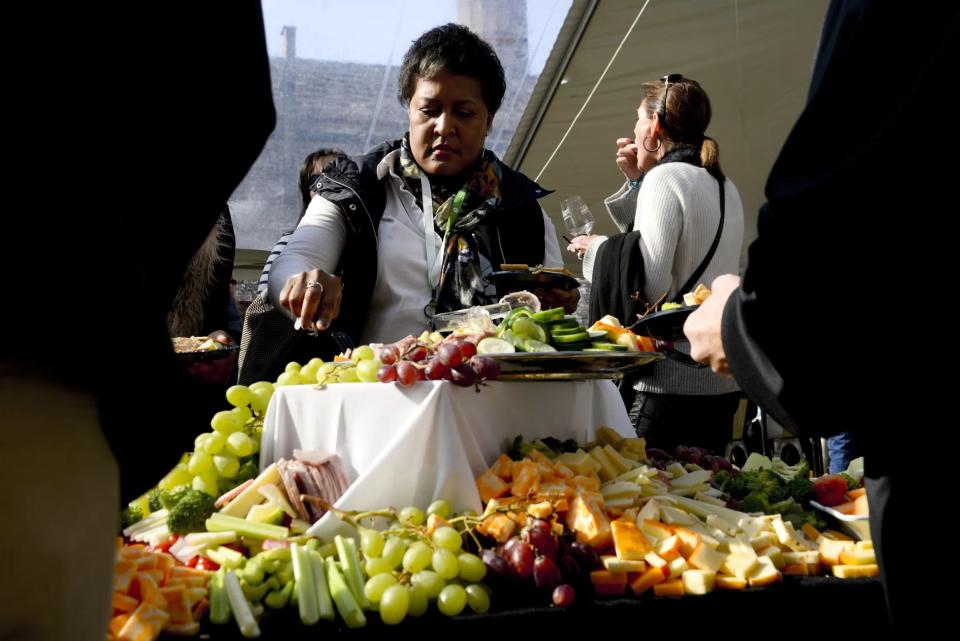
x: 202, y: 563
x: 166, y: 545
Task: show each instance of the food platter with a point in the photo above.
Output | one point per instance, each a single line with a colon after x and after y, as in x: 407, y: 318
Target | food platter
x: 525, y: 279
x: 199, y: 356
x: 856, y: 525
x: 586, y: 365
x: 666, y: 326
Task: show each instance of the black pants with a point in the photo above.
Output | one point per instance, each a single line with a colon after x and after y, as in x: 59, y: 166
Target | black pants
x: 668, y: 420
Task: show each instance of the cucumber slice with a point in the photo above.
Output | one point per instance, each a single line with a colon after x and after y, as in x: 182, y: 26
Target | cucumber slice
x: 515, y: 313
x: 579, y: 337
x: 491, y: 345
x: 528, y: 328
x: 564, y: 322
x: 567, y: 331
x: 531, y: 345
x: 609, y: 347
x: 549, y: 315
x: 512, y: 338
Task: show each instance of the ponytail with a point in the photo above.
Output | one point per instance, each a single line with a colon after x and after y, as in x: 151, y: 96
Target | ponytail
x: 710, y: 157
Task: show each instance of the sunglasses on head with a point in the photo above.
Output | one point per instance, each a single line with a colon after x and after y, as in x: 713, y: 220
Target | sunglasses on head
x: 666, y: 80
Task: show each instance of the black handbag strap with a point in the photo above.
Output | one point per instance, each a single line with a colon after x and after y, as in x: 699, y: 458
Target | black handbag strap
x: 688, y: 286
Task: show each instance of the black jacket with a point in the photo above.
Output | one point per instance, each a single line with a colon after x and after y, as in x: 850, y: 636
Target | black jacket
x: 511, y: 234
x: 839, y: 279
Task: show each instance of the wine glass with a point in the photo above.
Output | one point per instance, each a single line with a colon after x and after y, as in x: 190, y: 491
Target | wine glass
x: 577, y: 217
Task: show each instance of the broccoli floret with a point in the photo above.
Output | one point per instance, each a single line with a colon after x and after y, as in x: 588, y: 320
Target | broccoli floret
x: 129, y: 516
x: 225, y: 485
x: 768, y: 483
x: 721, y: 478
x: 154, y: 496
x: 550, y: 446
x: 851, y: 483
x: 786, y: 506
x: 191, y: 512
x: 519, y: 448
x: 815, y: 519
x: 800, y: 488
x: 171, y: 497
x: 249, y: 469
x: 803, y: 471
x: 755, y: 502
x: 737, y: 486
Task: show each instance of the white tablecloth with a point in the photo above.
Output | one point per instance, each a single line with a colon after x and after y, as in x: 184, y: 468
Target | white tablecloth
x: 409, y: 446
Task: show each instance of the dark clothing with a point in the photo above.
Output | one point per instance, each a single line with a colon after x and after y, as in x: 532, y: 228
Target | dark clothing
x: 619, y: 290
x: 831, y: 231
x: 156, y: 152
x: 669, y: 420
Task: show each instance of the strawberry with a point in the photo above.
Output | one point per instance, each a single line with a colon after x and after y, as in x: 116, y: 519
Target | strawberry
x: 830, y: 490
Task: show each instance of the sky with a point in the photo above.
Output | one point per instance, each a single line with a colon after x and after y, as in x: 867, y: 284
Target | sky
x: 372, y: 31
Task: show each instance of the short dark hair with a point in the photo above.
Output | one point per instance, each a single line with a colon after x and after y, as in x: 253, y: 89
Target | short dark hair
x: 455, y: 49
x: 308, y: 170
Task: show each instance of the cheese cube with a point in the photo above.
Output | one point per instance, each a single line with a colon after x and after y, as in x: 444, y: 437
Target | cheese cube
x: 704, y: 558
x: 699, y: 581
x: 628, y: 541
x: 766, y: 573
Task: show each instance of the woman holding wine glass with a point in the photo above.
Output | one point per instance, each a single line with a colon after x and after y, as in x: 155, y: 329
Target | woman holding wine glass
x: 690, y: 223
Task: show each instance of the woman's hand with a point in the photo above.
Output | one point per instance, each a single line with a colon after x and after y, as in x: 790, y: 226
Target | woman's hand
x: 579, y: 244
x: 703, y: 326
x: 627, y: 158
x: 314, y: 297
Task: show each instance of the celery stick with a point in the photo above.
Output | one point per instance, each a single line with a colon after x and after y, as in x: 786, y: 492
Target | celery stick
x: 219, y: 606
x: 238, y: 604
x: 325, y: 605
x: 271, y: 566
x: 343, y: 598
x: 220, y: 522
x: 306, y: 587
x: 251, y: 496
x: 278, y: 599
x: 226, y: 557
x: 252, y: 572
x: 285, y: 572
x: 350, y: 562
x: 281, y: 554
x: 147, y: 523
x: 255, y: 593
x: 210, y: 539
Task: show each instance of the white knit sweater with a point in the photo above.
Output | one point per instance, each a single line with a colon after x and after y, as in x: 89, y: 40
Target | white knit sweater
x: 677, y: 214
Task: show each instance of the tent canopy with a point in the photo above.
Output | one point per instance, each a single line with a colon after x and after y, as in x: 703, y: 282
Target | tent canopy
x: 753, y: 58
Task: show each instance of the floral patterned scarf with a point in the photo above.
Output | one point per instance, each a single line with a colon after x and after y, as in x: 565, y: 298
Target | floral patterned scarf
x: 457, y: 213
